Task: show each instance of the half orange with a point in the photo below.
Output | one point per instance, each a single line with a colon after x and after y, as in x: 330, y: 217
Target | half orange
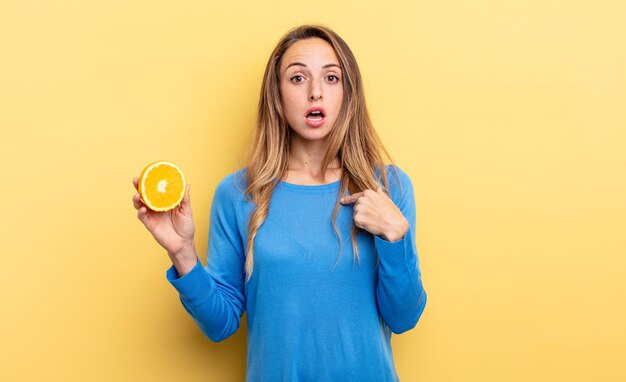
x: 161, y: 186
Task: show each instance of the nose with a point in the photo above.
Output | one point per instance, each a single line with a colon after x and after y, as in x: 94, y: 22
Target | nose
x: 315, y: 93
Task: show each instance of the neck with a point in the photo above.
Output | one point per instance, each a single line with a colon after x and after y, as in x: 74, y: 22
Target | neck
x: 307, y: 156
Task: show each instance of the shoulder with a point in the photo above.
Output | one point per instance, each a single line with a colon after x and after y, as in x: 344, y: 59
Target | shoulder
x: 400, y: 184
x: 397, y: 175
x: 232, y: 187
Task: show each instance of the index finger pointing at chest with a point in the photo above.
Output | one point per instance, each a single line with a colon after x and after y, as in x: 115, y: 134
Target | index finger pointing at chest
x: 351, y: 198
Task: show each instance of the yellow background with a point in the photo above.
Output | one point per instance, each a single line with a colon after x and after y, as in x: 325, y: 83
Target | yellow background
x: 509, y: 116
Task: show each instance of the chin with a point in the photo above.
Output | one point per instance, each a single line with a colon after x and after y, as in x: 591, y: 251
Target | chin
x: 313, y: 135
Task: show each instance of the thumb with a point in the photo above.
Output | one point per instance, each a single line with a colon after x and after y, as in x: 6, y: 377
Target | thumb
x: 186, y: 203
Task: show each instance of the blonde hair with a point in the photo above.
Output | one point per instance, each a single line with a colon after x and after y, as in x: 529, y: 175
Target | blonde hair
x: 353, y: 139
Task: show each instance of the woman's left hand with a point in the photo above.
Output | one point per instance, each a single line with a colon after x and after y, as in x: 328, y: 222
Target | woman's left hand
x: 376, y: 213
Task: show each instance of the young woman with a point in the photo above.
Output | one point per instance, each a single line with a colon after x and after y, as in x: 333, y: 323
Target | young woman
x: 317, y: 309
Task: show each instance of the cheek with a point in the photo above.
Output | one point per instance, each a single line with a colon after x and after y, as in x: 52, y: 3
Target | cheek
x: 285, y: 102
x: 284, y: 93
x: 288, y: 99
x: 337, y: 100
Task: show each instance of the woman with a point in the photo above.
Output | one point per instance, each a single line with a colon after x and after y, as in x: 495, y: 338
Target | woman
x: 317, y: 310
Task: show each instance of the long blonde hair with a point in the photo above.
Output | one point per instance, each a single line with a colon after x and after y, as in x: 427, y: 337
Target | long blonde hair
x: 352, y: 140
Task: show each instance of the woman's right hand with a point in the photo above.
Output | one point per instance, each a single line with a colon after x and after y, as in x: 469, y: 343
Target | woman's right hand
x: 173, y: 229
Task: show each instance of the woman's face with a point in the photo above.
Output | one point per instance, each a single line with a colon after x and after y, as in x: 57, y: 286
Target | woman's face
x: 311, y: 87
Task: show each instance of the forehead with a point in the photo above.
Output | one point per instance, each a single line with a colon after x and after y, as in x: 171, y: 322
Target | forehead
x: 311, y: 52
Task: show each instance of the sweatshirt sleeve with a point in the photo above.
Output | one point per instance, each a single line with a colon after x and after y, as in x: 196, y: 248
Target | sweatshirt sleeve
x: 214, y: 294
x: 400, y: 294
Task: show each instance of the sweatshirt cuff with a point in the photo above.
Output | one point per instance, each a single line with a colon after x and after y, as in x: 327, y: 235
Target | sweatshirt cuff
x: 392, y: 255
x: 192, y: 286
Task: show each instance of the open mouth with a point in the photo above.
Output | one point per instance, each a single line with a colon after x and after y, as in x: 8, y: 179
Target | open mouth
x: 315, y: 115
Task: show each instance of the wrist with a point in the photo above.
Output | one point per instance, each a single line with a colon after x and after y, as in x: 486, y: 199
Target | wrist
x: 185, y: 257
x: 396, y: 233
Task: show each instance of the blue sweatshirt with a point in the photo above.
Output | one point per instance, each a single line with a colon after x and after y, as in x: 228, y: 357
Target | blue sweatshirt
x: 310, y: 318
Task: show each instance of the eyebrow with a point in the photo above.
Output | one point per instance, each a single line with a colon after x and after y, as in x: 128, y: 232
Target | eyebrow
x: 301, y: 64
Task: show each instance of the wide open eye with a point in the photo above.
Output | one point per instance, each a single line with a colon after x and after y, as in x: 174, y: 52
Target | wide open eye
x: 332, y: 78
x: 296, y: 79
